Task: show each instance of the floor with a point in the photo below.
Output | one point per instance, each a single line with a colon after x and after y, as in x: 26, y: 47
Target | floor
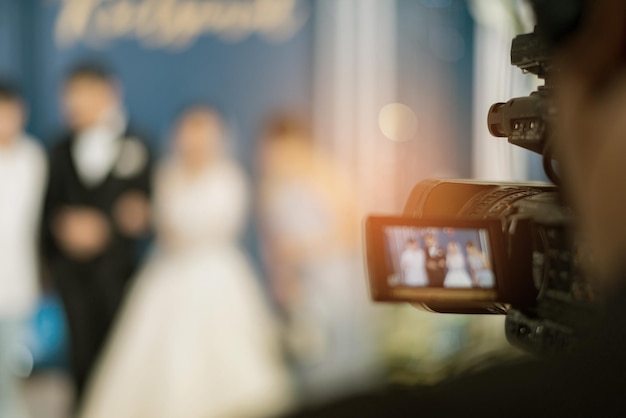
x: 47, y: 395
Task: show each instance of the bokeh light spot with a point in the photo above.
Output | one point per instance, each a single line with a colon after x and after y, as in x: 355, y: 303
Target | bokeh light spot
x: 397, y: 122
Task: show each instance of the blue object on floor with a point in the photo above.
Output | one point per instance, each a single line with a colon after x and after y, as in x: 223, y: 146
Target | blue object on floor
x: 46, y: 334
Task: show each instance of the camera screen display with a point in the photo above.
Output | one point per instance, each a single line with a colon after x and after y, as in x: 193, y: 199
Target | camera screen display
x: 423, y: 257
x: 439, y: 261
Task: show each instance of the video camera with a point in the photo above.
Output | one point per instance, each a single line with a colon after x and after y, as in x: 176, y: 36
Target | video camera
x: 496, y: 248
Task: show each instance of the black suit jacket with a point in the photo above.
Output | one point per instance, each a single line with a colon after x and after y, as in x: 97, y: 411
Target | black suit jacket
x: 118, y: 260
x: 437, y: 274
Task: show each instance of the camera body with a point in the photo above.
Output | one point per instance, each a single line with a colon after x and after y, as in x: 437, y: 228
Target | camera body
x: 522, y: 233
x: 464, y: 246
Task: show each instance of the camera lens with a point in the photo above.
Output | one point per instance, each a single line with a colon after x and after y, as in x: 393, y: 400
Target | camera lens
x: 495, y: 121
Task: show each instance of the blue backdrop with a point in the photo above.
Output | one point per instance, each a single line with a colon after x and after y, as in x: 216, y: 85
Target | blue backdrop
x: 248, y: 78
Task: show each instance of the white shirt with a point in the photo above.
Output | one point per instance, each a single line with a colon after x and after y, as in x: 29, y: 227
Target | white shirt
x: 413, y: 262
x: 96, y: 149
x: 23, y: 169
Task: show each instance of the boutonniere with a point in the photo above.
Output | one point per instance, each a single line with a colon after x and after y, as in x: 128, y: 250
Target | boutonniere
x: 132, y: 159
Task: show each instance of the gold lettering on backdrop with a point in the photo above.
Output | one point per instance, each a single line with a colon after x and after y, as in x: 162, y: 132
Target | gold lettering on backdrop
x: 175, y: 24
x: 72, y: 21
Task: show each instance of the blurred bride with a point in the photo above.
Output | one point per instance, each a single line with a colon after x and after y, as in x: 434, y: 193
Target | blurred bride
x: 195, y: 338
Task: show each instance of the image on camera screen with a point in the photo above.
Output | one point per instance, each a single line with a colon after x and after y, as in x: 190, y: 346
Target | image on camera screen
x: 438, y: 257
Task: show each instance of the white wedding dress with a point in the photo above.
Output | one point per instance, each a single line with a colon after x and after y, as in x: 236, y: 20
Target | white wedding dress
x: 195, y: 338
x: 457, y: 275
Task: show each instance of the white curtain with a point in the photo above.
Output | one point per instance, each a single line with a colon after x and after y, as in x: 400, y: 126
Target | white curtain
x: 495, y: 80
x: 355, y: 77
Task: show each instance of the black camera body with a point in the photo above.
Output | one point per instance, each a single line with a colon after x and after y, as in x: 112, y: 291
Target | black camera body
x: 532, y: 253
x: 465, y: 246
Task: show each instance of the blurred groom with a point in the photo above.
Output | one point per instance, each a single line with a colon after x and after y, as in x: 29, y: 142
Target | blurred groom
x: 96, y: 209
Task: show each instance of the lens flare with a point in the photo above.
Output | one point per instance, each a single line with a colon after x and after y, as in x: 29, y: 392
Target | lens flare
x: 397, y: 122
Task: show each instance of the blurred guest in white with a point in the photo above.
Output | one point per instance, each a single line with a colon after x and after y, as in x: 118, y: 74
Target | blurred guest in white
x: 413, y: 263
x: 195, y: 338
x: 479, y: 265
x: 311, y: 248
x: 22, y: 179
